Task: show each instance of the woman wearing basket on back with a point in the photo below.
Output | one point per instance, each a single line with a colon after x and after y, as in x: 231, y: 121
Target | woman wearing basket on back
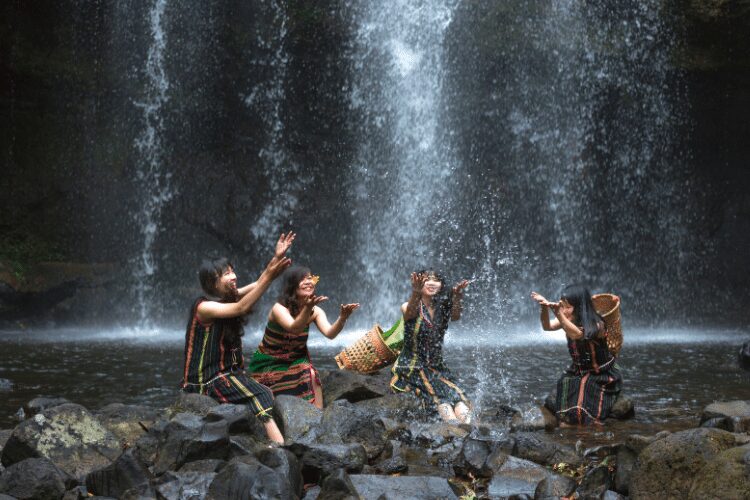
x: 419, y: 368
x: 589, y: 388
x: 282, y: 361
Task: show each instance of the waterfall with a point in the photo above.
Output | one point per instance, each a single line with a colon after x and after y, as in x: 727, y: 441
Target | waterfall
x: 403, y: 172
x: 266, y: 98
x: 152, y: 178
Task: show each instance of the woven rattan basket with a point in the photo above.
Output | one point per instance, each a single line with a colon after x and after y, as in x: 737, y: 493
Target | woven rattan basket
x: 608, y: 307
x: 368, y: 354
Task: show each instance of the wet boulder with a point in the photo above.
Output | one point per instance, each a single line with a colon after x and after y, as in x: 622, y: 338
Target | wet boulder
x: 68, y: 435
x: 396, y: 406
x: 638, y: 442
x: 623, y: 408
x: 39, y: 404
x: 125, y: 473
x: 183, y: 485
x: 207, y: 465
x: 322, y: 459
x: 239, y: 419
x: 516, y: 477
x: 554, y: 486
x: 533, y: 418
x: 667, y: 467
x: 538, y: 448
x: 725, y: 476
x: 743, y: 357
x: 352, y: 386
x: 35, y: 478
x: 246, y: 477
x: 373, y: 487
x: 285, y: 463
x: 595, y: 483
x: 187, y: 437
x: 350, y: 424
x: 295, y: 417
x: 338, y: 486
x: 127, y: 422
x: 190, y: 402
x: 733, y: 416
x: 625, y: 461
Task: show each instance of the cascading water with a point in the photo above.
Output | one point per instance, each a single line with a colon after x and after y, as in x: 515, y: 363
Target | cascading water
x: 266, y: 99
x: 404, y: 168
x: 152, y: 179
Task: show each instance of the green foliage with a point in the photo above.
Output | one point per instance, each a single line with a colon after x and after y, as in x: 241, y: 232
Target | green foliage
x: 19, y: 251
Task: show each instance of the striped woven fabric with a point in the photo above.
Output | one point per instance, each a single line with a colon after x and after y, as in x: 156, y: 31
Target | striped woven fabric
x: 589, y: 388
x: 282, y: 363
x: 215, y: 368
x: 419, y: 368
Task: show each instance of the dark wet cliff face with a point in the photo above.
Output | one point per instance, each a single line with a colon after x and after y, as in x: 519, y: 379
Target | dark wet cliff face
x: 595, y: 143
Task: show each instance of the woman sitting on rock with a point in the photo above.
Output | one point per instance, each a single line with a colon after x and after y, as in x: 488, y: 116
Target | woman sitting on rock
x: 589, y: 388
x: 213, y: 363
x: 282, y: 361
x: 419, y: 368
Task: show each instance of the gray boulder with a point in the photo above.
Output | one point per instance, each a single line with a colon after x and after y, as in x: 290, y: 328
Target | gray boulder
x: 206, y: 465
x: 295, y: 417
x: 190, y: 402
x: 39, y: 404
x: 35, y: 478
x: 245, y: 477
x: 554, y: 486
x: 733, y: 416
x: 623, y: 408
x: 396, y: 406
x: 352, y: 386
x: 125, y: 473
x: 187, y: 438
x: 743, y: 357
x: 373, y: 487
x: 516, y: 477
x: 239, y: 419
x: 184, y: 485
x: 322, y: 459
x: 533, y: 418
x: 594, y: 484
x: 727, y: 475
x: 338, y: 486
x: 127, y: 422
x: 285, y: 463
x: 347, y: 423
x: 667, y: 467
x: 625, y: 461
x: 68, y: 435
x: 539, y: 448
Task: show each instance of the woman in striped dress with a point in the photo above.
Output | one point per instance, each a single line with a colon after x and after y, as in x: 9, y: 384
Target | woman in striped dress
x: 213, y: 362
x: 419, y: 368
x: 282, y: 361
x: 589, y: 388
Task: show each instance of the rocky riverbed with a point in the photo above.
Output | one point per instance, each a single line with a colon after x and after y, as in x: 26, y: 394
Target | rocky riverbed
x: 367, y: 443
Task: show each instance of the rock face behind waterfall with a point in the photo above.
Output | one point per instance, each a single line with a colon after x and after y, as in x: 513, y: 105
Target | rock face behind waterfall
x: 245, y: 116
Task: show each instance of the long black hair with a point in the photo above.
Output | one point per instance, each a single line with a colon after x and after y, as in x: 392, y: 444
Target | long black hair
x: 290, y: 280
x: 584, y: 313
x: 208, y: 275
x: 443, y: 300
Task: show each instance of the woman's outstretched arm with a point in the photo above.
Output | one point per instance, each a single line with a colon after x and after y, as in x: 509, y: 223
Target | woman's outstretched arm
x: 458, y: 297
x: 411, y: 310
x: 544, y: 305
x: 332, y: 330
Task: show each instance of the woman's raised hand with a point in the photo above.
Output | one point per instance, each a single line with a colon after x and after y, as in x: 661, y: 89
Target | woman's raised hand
x: 313, y: 300
x: 347, y: 310
x: 277, y: 266
x: 285, y: 241
x: 417, y: 281
x: 541, y: 300
x: 460, y: 286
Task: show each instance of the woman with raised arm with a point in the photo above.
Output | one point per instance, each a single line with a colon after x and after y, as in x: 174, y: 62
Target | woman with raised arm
x: 213, y: 361
x: 589, y: 388
x: 282, y: 361
x: 419, y: 368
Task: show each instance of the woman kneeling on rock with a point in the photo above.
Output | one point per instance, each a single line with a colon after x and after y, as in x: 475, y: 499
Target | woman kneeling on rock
x: 214, y: 364
x: 419, y: 368
x: 589, y: 388
x: 282, y: 361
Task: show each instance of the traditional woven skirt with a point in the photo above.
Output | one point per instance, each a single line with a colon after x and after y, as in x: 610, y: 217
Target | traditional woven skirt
x: 237, y: 388
x: 430, y: 384
x: 588, y: 397
x: 292, y: 378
